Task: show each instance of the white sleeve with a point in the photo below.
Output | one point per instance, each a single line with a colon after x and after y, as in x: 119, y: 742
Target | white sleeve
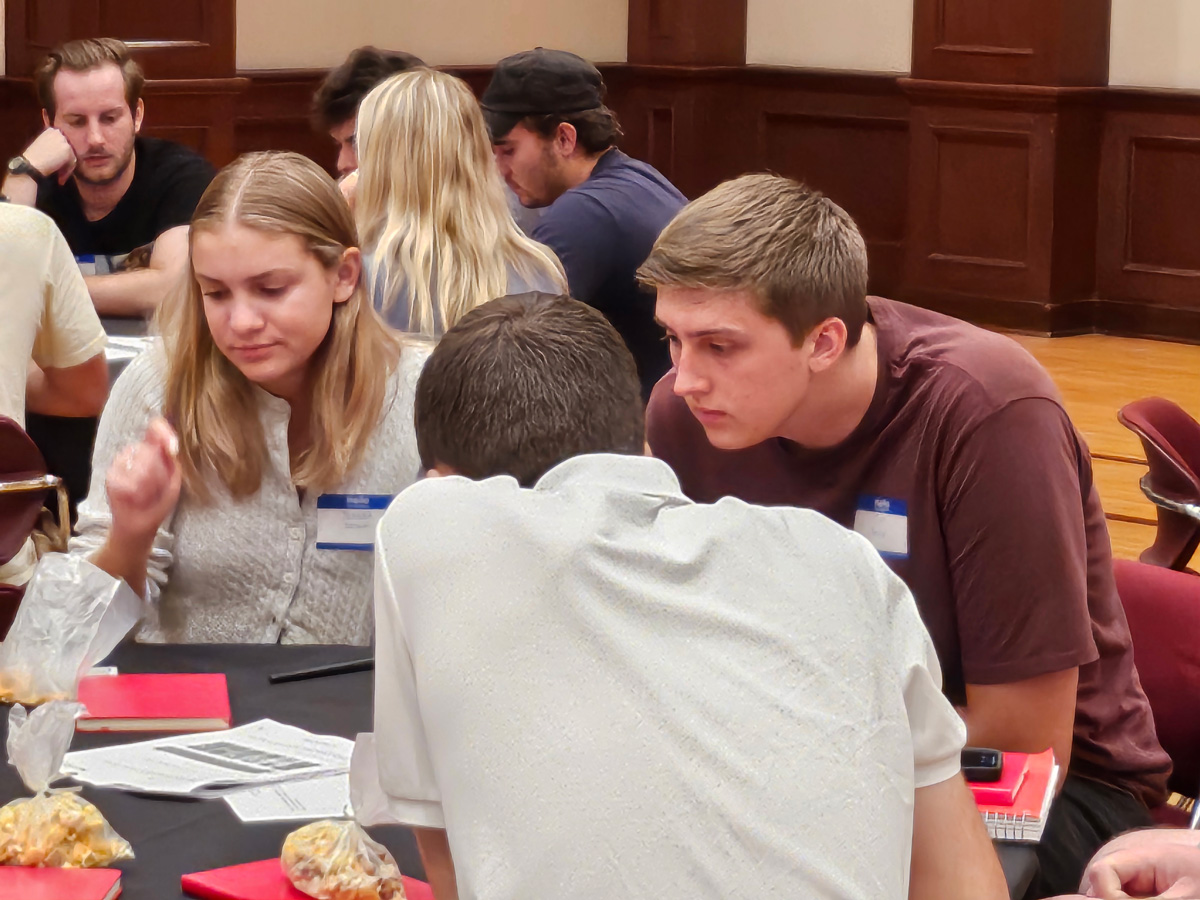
x: 135, y: 400
x: 406, y: 777
x: 70, y: 332
x: 938, y: 732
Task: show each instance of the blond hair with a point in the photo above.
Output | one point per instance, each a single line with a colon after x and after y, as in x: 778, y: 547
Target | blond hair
x: 430, y: 203
x: 211, y: 403
x: 795, y: 250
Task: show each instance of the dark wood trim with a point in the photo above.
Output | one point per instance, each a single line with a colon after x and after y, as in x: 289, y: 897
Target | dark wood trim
x: 178, y: 40
x: 687, y: 32
x: 1030, y: 42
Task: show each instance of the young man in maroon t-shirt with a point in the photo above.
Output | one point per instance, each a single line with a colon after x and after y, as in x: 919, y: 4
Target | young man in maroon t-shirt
x: 945, y: 445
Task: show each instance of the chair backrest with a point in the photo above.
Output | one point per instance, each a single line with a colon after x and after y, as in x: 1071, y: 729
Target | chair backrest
x: 19, y: 459
x: 1163, y: 609
x: 1171, y: 439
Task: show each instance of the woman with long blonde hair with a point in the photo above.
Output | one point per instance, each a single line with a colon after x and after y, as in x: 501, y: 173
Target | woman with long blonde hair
x: 239, y: 463
x: 431, y: 208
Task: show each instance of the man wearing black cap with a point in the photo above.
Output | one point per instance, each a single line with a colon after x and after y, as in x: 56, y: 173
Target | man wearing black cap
x: 555, y: 143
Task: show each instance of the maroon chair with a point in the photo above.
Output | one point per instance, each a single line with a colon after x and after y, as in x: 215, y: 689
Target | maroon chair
x: 1163, y: 609
x: 23, y: 487
x: 1171, y: 439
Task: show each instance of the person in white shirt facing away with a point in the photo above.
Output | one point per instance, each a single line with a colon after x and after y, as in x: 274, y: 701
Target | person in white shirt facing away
x: 291, y: 425
x: 430, y: 205
x: 51, y: 343
x: 589, y: 686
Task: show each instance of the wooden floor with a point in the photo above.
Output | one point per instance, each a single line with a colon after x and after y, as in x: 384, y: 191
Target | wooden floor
x: 1097, y: 376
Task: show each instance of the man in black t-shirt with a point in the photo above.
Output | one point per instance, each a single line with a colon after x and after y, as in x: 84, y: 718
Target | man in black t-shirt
x: 123, y: 202
x: 555, y: 144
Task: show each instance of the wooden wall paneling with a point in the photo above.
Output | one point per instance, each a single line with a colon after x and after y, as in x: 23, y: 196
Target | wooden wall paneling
x: 849, y: 139
x: 20, y: 118
x: 198, y: 113
x: 687, y: 32
x: 980, y: 206
x: 273, y: 114
x: 1047, y: 42
x: 1148, y: 258
x: 177, y: 40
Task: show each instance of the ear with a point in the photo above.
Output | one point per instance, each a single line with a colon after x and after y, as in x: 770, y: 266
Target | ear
x: 139, y: 113
x: 566, y: 139
x: 45, y: 119
x: 828, y: 340
x: 441, y: 470
x: 347, y: 274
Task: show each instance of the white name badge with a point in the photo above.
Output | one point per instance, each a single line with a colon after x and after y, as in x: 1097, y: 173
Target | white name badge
x: 884, y: 522
x: 87, y: 264
x: 347, y: 521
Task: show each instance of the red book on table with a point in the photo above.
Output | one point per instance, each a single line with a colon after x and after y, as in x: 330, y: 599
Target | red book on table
x: 177, y: 702
x: 265, y: 880
x: 1024, y: 818
x: 1004, y: 791
x: 29, y: 883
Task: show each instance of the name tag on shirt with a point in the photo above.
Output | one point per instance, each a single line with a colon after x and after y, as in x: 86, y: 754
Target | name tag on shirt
x: 347, y: 521
x: 884, y: 522
x: 87, y: 264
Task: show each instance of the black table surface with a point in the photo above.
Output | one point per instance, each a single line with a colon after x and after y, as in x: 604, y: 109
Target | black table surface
x: 173, y: 837
x: 125, y: 326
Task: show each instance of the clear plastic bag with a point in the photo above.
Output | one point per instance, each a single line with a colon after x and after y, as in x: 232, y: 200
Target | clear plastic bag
x: 72, y: 616
x: 55, y: 828
x: 336, y: 860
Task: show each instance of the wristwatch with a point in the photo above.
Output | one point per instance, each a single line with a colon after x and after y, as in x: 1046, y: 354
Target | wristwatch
x: 19, y: 165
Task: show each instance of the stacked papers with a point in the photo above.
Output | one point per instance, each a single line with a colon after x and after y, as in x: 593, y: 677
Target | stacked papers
x: 124, y: 348
x: 214, y: 764
x: 294, y: 801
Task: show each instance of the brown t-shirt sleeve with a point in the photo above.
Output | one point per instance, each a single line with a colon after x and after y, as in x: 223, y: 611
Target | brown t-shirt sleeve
x: 1014, y: 531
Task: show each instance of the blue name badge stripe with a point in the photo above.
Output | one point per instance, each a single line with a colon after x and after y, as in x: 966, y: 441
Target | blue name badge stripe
x: 887, y: 505
x: 328, y: 546
x: 354, y: 501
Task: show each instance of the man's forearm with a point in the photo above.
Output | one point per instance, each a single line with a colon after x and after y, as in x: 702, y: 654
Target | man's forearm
x: 439, y: 866
x: 133, y: 293
x: 47, y: 393
x: 20, y: 189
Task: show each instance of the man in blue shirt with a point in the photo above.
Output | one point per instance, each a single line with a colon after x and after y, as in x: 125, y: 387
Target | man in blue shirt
x: 555, y: 144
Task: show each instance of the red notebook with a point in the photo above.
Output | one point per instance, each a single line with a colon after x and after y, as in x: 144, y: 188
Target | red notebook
x: 1004, y: 791
x: 265, y: 881
x: 59, y: 884
x: 1025, y: 818
x: 186, y: 702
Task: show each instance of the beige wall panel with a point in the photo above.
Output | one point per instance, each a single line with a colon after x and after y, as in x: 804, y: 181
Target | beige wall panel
x: 867, y: 35
x: 280, y: 34
x: 1155, y: 43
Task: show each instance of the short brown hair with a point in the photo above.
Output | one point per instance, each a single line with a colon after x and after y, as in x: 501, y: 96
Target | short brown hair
x: 337, y: 99
x: 794, y: 249
x: 523, y: 383
x: 595, y: 129
x: 81, y: 56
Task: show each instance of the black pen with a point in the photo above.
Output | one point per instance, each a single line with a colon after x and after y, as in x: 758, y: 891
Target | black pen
x: 342, y: 668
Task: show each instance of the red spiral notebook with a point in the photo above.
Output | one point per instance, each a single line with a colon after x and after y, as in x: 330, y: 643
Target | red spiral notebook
x: 28, y: 883
x: 265, y: 881
x: 1004, y: 791
x: 176, y: 702
x: 1024, y: 818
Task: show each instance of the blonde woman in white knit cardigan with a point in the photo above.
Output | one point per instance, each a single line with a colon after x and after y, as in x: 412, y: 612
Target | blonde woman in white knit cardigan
x: 285, y: 394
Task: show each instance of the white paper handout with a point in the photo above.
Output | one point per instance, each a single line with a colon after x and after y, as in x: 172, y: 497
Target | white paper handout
x: 293, y: 801
x: 125, y: 347
x: 211, y: 765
